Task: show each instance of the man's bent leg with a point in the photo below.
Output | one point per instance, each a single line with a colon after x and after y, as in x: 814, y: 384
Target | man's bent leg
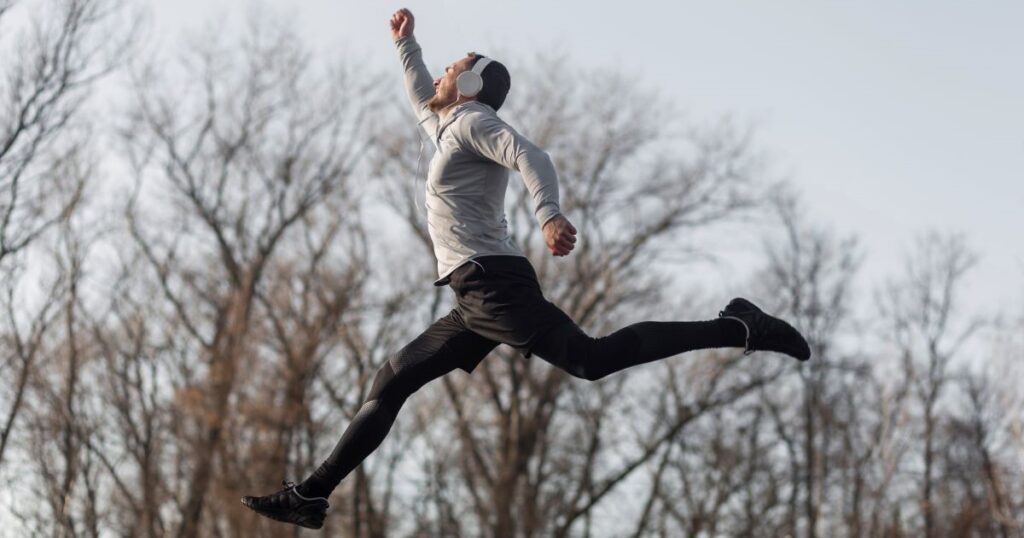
x: 446, y: 345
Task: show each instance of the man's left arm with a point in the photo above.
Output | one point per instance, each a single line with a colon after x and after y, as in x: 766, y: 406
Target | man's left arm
x: 494, y: 139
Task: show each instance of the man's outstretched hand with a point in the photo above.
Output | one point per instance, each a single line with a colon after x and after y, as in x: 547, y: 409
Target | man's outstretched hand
x: 559, y: 235
x: 402, y: 23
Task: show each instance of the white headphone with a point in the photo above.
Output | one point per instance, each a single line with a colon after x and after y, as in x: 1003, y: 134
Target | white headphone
x: 469, y: 83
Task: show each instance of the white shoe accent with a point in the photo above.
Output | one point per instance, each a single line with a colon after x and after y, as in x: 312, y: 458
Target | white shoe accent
x: 295, y: 490
x: 747, y: 350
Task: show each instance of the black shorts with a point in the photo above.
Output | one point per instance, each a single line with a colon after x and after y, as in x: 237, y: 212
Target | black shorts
x: 499, y: 301
x: 499, y: 298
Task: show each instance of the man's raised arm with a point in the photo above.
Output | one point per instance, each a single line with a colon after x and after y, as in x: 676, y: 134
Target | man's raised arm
x: 418, y: 82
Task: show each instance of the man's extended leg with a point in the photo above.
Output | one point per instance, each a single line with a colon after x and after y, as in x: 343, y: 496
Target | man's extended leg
x: 443, y: 347
x: 740, y: 324
x: 587, y: 357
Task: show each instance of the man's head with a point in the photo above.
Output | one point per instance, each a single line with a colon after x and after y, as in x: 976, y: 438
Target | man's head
x: 496, y: 84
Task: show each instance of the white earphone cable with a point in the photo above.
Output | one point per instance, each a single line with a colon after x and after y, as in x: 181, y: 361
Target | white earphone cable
x: 416, y: 174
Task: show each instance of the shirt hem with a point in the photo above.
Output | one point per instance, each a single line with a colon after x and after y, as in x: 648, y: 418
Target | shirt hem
x: 445, y: 278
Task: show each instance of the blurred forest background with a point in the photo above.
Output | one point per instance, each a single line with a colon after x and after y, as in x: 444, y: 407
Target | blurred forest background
x: 194, y: 297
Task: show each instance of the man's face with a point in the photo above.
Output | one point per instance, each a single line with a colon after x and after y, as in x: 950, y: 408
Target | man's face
x: 445, y: 92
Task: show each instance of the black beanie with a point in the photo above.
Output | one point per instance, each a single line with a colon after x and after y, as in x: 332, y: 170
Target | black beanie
x: 496, y: 83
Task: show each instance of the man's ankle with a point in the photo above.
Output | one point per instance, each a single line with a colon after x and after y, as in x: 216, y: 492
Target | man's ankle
x: 733, y: 331
x: 310, y: 491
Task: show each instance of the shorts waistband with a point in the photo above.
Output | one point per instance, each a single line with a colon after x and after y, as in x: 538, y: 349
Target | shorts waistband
x: 496, y: 263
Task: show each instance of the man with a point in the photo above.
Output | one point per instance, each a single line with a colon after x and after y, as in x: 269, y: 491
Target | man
x: 498, y: 297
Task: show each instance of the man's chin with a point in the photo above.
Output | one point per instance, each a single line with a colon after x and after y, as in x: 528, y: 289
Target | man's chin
x: 436, y: 105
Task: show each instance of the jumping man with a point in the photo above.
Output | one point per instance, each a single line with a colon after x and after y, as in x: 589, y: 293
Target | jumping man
x: 499, y: 300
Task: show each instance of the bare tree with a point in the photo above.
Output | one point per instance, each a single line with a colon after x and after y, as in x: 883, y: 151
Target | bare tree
x: 57, y: 424
x: 23, y: 344
x: 810, y: 275
x: 45, y: 84
x: 994, y: 515
x: 923, y: 308
x: 45, y: 81
x: 250, y: 156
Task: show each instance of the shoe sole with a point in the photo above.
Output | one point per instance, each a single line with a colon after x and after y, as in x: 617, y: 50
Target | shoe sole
x: 310, y: 517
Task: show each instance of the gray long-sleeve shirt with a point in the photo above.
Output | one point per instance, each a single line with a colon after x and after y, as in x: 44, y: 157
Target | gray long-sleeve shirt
x: 468, y: 175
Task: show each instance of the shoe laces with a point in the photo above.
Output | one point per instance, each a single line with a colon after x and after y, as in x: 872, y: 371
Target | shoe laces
x: 288, y: 486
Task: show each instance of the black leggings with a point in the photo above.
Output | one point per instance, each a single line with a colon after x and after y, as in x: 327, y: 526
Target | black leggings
x: 448, y: 344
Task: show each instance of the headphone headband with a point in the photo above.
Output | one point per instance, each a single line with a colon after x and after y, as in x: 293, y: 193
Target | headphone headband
x: 480, y: 64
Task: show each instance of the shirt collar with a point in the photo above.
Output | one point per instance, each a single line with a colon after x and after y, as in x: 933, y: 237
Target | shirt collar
x: 458, y: 110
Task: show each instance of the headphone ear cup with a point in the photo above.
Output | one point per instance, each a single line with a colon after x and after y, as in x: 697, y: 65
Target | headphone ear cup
x: 469, y: 83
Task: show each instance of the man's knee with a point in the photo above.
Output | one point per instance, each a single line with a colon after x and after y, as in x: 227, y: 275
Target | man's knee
x: 396, y: 382
x: 384, y: 394
x: 578, y: 354
x: 584, y: 371
x: 382, y: 382
x: 583, y: 367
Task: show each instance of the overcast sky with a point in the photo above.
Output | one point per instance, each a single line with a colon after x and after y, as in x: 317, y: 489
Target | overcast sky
x: 891, y: 118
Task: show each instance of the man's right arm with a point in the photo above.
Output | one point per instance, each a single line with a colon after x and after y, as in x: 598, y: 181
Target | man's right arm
x: 418, y: 83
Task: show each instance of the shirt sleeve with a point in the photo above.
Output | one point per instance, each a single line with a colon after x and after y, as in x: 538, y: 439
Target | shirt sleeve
x: 493, y: 139
x: 418, y: 83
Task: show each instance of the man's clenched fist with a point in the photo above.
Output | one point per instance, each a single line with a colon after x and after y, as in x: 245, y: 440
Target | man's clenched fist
x: 402, y: 23
x: 559, y: 235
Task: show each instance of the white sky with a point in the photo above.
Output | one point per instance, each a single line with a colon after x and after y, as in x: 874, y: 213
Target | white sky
x: 891, y: 118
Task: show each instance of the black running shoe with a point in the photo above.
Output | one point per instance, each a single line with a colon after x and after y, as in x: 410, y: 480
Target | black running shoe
x: 291, y: 507
x: 764, y: 332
